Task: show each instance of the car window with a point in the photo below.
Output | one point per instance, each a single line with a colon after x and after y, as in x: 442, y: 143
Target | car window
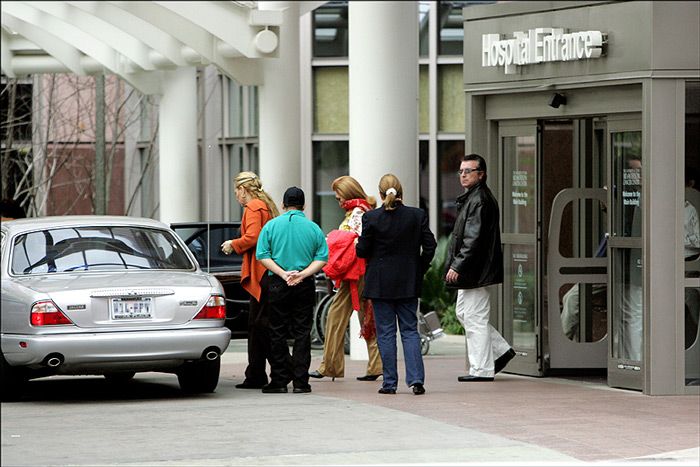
x: 97, y: 249
x: 204, y: 241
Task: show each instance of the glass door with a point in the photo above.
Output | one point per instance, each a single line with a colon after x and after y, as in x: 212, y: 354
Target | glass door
x: 574, y: 199
x: 521, y: 235
x: 625, y: 327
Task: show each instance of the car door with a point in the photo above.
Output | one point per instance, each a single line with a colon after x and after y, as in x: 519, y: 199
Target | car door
x: 204, y: 240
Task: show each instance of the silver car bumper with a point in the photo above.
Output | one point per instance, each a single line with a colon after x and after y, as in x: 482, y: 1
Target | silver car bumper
x: 109, y: 348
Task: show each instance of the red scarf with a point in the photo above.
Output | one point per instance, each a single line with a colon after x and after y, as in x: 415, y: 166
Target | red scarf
x: 351, y: 204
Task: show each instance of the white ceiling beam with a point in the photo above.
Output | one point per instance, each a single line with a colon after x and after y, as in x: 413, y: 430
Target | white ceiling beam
x: 124, y: 44
x: 6, y: 53
x: 74, y: 37
x: 158, y: 40
x: 224, y: 20
x: 195, y: 38
x: 68, y: 55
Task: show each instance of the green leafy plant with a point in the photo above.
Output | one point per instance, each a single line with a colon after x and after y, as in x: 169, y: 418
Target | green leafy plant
x: 436, y: 296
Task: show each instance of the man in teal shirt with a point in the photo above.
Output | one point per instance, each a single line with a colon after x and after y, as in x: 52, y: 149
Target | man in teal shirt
x: 293, y: 249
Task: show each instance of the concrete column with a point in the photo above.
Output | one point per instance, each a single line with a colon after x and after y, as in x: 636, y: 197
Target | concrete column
x: 383, y: 88
x: 280, y: 117
x: 383, y: 107
x: 178, y: 163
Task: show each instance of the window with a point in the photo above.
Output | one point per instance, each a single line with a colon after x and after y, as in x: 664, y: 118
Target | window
x: 331, y: 99
x: 330, y: 30
x: 330, y: 162
x: 105, y: 248
x: 450, y: 155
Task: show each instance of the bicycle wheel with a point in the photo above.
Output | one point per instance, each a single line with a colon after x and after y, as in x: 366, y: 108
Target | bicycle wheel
x: 316, y: 334
x: 321, y: 315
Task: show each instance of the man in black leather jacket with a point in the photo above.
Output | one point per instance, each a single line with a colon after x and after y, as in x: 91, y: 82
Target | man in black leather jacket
x: 475, y: 261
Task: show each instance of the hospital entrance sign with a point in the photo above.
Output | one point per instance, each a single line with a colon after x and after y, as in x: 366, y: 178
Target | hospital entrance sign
x: 538, y: 46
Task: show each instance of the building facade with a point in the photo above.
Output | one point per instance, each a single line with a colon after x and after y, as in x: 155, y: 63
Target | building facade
x: 588, y: 113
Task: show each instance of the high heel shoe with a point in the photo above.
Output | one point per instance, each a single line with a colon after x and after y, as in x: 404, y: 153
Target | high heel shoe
x: 316, y: 374
x: 368, y: 377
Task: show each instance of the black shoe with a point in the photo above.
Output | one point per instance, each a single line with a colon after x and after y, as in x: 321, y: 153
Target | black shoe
x: 301, y: 390
x: 503, y: 360
x: 316, y: 374
x: 246, y: 385
x: 418, y: 389
x: 368, y: 377
x: 470, y: 378
x: 386, y: 391
x: 269, y: 389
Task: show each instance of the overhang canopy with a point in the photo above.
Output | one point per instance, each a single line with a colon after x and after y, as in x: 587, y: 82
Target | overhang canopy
x: 137, y: 40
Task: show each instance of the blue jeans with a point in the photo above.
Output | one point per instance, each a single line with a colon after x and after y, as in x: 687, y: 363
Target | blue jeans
x: 386, y: 313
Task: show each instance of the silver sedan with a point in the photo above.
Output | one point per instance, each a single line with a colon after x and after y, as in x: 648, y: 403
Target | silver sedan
x: 109, y: 296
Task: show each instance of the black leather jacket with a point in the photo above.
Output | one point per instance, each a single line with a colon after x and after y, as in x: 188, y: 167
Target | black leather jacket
x: 475, y: 250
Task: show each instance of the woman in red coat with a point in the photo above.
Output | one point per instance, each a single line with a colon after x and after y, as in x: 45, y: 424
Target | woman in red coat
x: 258, y: 208
x: 353, y: 199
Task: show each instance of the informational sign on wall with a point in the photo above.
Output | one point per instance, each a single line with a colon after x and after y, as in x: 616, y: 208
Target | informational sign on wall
x: 631, y: 181
x: 522, y: 281
x: 539, y: 45
x: 520, y: 194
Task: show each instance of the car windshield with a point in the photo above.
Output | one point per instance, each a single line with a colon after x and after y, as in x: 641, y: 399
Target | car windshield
x: 97, y: 249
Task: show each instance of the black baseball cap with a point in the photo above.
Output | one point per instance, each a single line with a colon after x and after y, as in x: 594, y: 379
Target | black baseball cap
x: 294, y: 196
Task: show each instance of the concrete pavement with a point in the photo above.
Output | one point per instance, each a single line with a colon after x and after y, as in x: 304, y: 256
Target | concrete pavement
x: 515, y: 421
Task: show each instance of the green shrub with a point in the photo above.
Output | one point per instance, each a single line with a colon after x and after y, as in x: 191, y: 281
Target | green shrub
x: 436, y: 296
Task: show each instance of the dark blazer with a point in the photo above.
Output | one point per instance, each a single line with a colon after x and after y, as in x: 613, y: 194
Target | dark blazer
x: 398, y: 246
x: 475, y: 250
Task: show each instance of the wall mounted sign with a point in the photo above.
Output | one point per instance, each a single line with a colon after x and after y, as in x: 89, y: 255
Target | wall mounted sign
x: 538, y: 46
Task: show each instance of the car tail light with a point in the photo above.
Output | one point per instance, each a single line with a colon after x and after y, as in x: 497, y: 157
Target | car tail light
x: 214, y: 309
x: 46, y: 313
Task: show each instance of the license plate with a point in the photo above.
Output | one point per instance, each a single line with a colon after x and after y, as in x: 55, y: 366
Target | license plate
x: 132, y: 308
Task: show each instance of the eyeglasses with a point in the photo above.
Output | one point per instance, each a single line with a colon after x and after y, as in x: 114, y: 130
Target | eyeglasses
x: 467, y: 171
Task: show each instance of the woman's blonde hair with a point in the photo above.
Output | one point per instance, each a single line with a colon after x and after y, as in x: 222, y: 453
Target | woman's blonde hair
x: 391, y: 199
x: 251, y: 183
x: 349, y: 188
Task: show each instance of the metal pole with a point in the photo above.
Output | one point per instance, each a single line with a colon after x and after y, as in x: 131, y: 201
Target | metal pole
x: 100, y: 181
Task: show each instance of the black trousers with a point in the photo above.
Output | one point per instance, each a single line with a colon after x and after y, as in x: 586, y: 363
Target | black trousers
x: 291, y: 314
x: 258, y: 337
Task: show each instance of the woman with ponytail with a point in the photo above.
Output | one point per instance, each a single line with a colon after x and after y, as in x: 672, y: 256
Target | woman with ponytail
x: 398, y: 246
x: 258, y: 208
x: 353, y: 199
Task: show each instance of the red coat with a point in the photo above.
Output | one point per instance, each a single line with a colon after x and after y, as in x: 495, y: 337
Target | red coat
x: 343, y: 264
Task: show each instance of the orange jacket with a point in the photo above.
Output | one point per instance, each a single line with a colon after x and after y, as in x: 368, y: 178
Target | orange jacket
x: 255, y: 215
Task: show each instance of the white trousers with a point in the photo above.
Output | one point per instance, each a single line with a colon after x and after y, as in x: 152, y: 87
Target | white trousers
x: 483, y: 341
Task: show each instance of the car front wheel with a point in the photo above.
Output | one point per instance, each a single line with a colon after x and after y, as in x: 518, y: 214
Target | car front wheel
x: 200, y: 376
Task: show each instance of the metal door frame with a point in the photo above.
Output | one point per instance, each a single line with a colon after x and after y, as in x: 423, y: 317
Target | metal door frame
x: 528, y: 361
x: 561, y: 270
x: 622, y: 372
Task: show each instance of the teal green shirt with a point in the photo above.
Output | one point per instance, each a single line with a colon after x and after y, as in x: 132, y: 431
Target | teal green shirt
x: 292, y: 241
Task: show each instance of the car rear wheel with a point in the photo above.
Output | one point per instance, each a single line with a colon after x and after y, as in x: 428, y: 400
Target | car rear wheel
x: 120, y: 377
x: 12, y: 381
x: 199, y: 377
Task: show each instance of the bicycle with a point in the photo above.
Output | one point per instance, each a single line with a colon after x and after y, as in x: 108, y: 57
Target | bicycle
x: 428, y: 324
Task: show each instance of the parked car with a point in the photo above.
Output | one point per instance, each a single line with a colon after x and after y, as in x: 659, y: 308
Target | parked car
x: 109, y: 296
x: 204, y: 240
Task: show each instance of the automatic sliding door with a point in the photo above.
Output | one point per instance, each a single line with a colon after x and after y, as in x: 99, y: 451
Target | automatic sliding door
x: 625, y: 368
x: 518, y: 149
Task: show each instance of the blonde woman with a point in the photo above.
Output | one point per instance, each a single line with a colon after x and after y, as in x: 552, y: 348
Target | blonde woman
x: 353, y: 199
x: 258, y: 208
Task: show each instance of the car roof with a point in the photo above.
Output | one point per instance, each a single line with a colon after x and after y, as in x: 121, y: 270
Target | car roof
x: 53, y: 222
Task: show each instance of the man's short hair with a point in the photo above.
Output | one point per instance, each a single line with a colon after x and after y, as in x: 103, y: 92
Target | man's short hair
x: 475, y: 157
x: 294, y: 197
